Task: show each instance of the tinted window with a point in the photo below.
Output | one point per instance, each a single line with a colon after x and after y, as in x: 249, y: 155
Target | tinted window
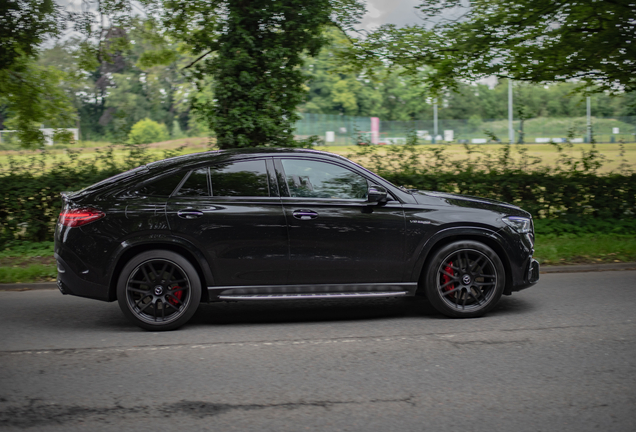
x: 323, y: 180
x: 196, y: 184
x: 245, y: 178
x: 160, y: 187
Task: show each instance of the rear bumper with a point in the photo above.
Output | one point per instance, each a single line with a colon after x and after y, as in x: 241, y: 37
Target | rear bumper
x: 70, y: 282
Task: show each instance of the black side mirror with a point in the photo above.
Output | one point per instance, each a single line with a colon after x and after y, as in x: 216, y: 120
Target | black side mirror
x: 376, y: 194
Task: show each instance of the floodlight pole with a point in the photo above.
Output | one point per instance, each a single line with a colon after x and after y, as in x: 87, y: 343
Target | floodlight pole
x: 589, y: 119
x: 434, y: 121
x: 511, y: 131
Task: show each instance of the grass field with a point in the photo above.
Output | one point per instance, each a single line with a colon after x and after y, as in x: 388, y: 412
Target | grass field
x: 94, y: 152
x: 613, y: 155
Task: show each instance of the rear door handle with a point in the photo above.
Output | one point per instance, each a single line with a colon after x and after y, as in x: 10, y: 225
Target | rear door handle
x: 190, y: 214
x: 305, y: 214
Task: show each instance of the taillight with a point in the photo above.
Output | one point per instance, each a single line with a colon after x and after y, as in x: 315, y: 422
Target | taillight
x: 79, y: 217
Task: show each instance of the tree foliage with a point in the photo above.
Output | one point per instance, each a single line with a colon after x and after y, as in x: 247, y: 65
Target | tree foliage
x: 526, y: 40
x: 29, y: 94
x: 24, y: 24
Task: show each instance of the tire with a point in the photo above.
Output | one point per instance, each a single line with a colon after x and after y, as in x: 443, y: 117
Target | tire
x: 159, y: 290
x: 464, y: 279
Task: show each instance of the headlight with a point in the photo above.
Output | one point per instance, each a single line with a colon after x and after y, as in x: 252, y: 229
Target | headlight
x: 520, y: 224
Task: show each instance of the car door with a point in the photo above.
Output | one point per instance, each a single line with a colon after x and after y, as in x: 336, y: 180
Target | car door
x: 233, y: 213
x: 335, y: 235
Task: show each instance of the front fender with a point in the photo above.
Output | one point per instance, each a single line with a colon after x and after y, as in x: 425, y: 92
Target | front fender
x: 450, y: 234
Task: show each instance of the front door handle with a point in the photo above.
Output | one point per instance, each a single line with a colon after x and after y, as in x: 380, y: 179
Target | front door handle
x: 190, y: 214
x: 305, y: 214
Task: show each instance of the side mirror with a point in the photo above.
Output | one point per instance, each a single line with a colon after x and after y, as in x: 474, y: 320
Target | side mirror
x: 376, y: 194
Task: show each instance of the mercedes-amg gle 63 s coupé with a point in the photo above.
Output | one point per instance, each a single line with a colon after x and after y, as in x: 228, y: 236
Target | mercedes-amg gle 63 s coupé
x: 277, y: 224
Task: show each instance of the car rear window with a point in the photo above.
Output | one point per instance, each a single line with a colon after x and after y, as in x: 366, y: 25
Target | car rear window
x: 196, y: 184
x: 244, y: 178
x: 161, y: 187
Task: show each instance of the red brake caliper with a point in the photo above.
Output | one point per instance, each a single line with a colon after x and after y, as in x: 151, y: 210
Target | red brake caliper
x: 446, y: 279
x: 178, y: 295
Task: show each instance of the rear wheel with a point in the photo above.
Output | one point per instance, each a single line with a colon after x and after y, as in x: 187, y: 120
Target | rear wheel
x: 464, y: 279
x: 159, y: 290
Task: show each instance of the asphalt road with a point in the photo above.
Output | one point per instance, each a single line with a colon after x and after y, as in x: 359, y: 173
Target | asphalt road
x: 560, y: 356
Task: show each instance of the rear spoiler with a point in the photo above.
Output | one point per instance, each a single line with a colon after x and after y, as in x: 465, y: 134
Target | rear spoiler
x: 68, y: 195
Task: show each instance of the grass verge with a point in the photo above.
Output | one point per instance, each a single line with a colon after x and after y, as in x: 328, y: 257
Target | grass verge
x: 587, y: 249
x: 33, y: 262
x: 30, y: 273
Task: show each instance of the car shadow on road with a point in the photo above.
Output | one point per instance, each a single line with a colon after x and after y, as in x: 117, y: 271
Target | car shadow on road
x: 260, y: 312
x: 291, y: 311
x: 98, y: 317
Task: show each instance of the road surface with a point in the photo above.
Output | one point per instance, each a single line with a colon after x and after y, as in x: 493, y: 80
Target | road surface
x: 560, y: 356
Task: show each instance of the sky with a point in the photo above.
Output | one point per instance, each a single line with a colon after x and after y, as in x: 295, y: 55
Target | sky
x: 399, y: 12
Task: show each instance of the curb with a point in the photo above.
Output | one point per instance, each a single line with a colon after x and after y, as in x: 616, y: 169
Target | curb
x: 582, y: 268
x: 28, y: 286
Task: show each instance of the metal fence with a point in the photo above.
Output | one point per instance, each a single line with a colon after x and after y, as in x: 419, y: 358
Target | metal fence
x: 346, y: 130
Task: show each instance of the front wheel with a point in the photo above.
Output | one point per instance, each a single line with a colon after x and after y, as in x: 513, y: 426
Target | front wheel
x: 464, y: 279
x: 159, y: 290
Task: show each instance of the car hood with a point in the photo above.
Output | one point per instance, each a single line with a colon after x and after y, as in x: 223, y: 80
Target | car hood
x: 466, y: 201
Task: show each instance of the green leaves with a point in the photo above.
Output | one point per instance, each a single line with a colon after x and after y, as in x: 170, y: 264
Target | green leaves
x: 147, y: 131
x: 527, y: 40
x: 24, y: 24
x: 32, y: 95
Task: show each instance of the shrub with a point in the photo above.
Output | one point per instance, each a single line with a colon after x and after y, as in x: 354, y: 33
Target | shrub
x: 147, y: 131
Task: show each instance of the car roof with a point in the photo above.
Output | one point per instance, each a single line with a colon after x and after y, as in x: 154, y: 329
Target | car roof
x: 226, y: 155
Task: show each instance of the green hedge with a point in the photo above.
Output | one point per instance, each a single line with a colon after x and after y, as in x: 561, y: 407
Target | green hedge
x: 573, y: 193
x: 569, y: 189
x: 31, y: 199
x: 545, y: 195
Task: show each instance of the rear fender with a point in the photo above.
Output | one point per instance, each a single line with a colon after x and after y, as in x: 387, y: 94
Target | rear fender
x: 131, y: 247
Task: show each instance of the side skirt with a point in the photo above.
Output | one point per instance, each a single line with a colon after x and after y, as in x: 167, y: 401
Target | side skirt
x: 296, y: 292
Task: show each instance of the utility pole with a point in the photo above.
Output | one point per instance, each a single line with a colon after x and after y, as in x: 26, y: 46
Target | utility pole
x: 434, y: 121
x: 511, y: 131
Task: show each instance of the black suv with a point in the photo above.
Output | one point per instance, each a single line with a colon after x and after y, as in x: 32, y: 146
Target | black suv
x: 277, y: 224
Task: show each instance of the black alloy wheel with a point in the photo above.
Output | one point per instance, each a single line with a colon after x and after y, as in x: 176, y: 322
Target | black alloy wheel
x: 465, y: 279
x: 159, y: 290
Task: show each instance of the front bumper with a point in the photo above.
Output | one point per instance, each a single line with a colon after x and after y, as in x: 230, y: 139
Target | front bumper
x: 531, y: 278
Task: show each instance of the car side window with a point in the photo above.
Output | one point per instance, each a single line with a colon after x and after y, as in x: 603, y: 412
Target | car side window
x: 323, y: 180
x: 162, y: 187
x: 243, y: 178
x: 196, y: 184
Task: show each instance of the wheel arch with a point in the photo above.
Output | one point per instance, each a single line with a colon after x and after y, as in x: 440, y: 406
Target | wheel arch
x: 482, y: 235
x: 192, y: 255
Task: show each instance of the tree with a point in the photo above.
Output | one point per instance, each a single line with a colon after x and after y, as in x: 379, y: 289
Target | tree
x: 253, y: 50
x: 526, y: 40
x: 29, y: 93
